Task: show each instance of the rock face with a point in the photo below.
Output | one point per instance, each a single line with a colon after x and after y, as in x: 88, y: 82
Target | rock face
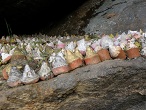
x: 109, y: 85
x: 105, y: 17
x: 93, y: 17
x: 118, y: 16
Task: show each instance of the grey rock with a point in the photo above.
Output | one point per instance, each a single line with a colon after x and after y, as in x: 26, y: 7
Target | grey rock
x: 109, y: 85
x: 105, y: 17
x: 117, y: 17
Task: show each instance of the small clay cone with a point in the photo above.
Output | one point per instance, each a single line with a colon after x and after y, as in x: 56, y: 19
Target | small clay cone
x: 133, y: 53
x: 77, y: 53
x: 116, y: 52
x: 48, y: 50
x: 91, y: 57
x: 60, y: 70
x: 45, y: 72
x: 6, y: 71
x: 60, y: 45
x: 73, y: 60
x: 18, y: 55
x: 29, y: 76
x: 121, y: 55
x: 14, y: 77
x: 104, y: 54
x: 6, y: 57
x: 60, y: 66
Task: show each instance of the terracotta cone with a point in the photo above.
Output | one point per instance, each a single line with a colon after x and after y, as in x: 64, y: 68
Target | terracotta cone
x: 121, y: 55
x: 6, y: 71
x: 17, y: 55
x: 104, y: 54
x: 7, y: 59
x: 133, y: 53
x: 92, y: 60
x: 5, y: 74
x: 76, y: 63
x: 60, y: 70
x: 73, y: 60
x: 14, y: 77
x: 91, y: 57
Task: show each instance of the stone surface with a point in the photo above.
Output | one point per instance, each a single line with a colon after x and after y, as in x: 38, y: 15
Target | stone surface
x: 118, y: 16
x: 105, y: 17
x: 109, y: 85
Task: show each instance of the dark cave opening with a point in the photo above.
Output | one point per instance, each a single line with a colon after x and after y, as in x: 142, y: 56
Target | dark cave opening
x: 30, y: 18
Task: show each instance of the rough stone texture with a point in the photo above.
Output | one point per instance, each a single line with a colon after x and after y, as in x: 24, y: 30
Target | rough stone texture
x: 109, y: 85
x: 118, y: 16
x: 105, y: 17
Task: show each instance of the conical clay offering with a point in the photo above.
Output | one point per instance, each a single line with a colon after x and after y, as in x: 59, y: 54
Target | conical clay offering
x: 59, y: 66
x: 29, y: 75
x: 91, y: 57
x: 14, y: 77
x: 45, y: 72
x: 73, y: 60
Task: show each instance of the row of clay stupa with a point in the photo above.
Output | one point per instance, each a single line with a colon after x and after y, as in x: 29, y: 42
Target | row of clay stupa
x: 27, y: 60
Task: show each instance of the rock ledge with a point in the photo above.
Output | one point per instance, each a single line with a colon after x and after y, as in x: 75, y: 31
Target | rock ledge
x: 109, y: 85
